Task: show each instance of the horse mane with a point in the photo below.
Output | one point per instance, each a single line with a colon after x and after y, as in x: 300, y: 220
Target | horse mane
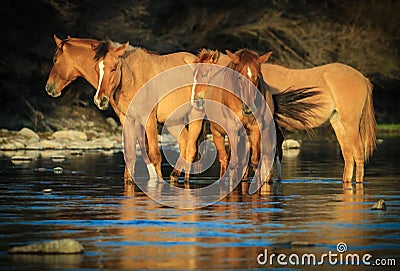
x: 103, y: 47
x: 203, y: 55
x: 247, y: 58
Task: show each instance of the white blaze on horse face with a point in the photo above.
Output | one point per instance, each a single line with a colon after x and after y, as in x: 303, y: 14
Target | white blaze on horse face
x: 249, y: 74
x: 101, y: 74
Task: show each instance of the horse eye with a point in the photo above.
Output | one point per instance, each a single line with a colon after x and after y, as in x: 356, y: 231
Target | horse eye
x: 113, y: 69
x: 54, y: 60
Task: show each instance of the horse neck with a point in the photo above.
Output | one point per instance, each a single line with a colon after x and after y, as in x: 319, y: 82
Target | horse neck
x: 85, y: 64
x: 127, y: 85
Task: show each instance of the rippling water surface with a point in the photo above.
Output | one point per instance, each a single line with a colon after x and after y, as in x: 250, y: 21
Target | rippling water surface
x: 309, y: 212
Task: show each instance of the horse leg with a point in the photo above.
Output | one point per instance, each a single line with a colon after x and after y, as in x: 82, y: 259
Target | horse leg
x: 246, y: 167
x: 129, y: 134
x: 237, y: 142
x: 191, y: 147
x: 181, y: 135
x: 219, y: 142
x: 354, y: 137
x: 347, y: 151
x: 279, y: 153
x: 154, y: 153
x: 254, y: 138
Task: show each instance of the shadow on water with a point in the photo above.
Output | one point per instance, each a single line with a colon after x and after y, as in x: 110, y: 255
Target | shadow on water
x: 309, y: 212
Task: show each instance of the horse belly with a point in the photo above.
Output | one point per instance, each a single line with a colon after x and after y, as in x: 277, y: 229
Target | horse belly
x: 175, y: 105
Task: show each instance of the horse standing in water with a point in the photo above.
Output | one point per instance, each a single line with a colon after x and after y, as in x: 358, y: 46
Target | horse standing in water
x: 75, y: 58
x: 345, y: 100
x: 289, y: 103
x: 124, y: 75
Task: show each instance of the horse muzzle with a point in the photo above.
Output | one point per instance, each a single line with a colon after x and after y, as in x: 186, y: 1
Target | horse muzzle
x: 51, y: 89
x: 102, y: 103
x: 248, y: 111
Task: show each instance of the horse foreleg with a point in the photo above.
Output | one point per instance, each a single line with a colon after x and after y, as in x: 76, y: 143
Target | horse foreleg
x: 254, y: 138
x: 195, y: 128
x: 279, y: 153
x: 154, y: 153
x: 181, y: 135
x: 219, y: 142
x: 129, y: 136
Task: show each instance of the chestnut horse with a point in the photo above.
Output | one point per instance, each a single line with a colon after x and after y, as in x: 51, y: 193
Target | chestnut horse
x: 345, y: 100
x: 125, y: 74
x: 75, y: 57
x: 290, y: 103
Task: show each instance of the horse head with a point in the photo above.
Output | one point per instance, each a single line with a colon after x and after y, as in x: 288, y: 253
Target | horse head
x: 110, y: 71
x: 248, y: 64
x: 71, y: 59
x: 202, y: 73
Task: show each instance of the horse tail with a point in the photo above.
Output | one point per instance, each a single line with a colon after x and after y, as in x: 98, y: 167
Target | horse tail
x: 368, y: 124
x: 290, y: 106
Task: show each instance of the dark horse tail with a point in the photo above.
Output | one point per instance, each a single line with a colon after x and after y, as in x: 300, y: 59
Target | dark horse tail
x: 291, y: 106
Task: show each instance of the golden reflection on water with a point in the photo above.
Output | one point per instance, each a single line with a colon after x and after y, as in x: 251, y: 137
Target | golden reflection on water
x: 179, y: 240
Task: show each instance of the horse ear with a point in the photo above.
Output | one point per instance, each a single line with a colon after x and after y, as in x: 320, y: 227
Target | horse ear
x: 264, y: 58
x: 215, y: 56
x: 235, y: 59
x: 57, y: 40
x: 121, y: 50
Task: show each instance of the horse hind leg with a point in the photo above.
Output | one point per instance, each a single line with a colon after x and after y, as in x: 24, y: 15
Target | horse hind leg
x: 219, y: 142
x: 180, y: 134
x: 346, y: 148
x: 358, y: 151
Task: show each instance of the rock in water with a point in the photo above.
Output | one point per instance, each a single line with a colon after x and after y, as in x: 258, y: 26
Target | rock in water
x: 379, y: 205
x: 63, y: 246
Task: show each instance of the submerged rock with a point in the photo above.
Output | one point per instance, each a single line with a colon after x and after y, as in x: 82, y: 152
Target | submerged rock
x: 379, y: 205
x: 63, y: 246
x: 58, y: 170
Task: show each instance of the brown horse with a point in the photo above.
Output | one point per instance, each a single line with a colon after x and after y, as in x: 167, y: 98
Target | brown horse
x: 75, y: 57
x: 248, y: 64
x: 124, y: 75
x: 345, y: 100
x: 289, y: 103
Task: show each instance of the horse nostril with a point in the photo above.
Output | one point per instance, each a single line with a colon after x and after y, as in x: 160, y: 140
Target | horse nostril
x: 104, y: 102
x: 52, y: 90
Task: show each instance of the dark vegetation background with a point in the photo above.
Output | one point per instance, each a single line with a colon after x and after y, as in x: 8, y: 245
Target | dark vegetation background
x: 301, y: 33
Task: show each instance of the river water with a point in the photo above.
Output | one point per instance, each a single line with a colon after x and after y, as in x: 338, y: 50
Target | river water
x: 309, y: 213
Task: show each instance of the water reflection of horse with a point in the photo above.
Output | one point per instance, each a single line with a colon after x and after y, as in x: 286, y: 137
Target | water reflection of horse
x: 248, y: 64
x: 346, y: 101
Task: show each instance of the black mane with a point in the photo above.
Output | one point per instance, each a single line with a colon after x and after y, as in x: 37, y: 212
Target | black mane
x: 101, y: 50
